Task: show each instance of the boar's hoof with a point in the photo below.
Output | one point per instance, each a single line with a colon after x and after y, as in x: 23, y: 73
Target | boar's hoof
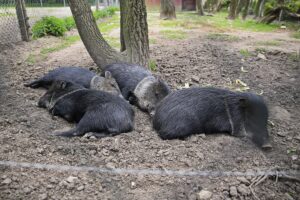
x: 267, y: 147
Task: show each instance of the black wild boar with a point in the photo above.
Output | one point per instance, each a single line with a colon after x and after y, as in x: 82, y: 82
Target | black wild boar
x: 80, y: 76
x: 211, y: 110
x: 92, y: 110
x: 138, y: 85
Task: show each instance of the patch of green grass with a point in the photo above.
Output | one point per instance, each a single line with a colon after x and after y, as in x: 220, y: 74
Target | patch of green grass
x: 109, y: 24
x: 170, y: 23
x: 268, y: 43
x: 106, y: 12
x: 113, y: 41
x: 219, y: 21
x: 245, y: 52
x: 31, y: 59
x: 296, y: 35
x: 152, y: 65
x: 260, y: 50
x: 222, y: 37
x: 152, y: 41
x: 66, y: 42
x: 173, y: 34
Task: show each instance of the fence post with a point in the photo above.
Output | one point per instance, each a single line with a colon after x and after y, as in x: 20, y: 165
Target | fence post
x: 23, y: 20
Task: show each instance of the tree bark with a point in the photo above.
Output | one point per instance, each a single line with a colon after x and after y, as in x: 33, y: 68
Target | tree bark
x: 98, y: 48
x: 122, y: 17
x: 241, y: 4
x: 167, y: 9
x: 246, y: 9
x: 200, y: 7
x: 134, y: 31
x: 261, y: 9
x: 232, y: 9
x: 257, y: 7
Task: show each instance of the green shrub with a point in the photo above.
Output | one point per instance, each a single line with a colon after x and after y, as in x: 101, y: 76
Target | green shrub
x: 106, y: 12
x: 48, y: 26
x: 69, y: 23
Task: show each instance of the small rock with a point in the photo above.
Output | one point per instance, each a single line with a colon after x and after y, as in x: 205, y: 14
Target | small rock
x: 202, y: 135
x: 297, y: 138
x: 43, y: 196
x: 204, y: 194
x: 80, y: 188
x: 243, y: 180
x: 243, y: 189
x: 283, y: 27
x: 6, y: 181
x: 71, y: 179
x: 132, y: 185
x: 110, y: 165
x: 19, y: 62
x: 280, y: 113
x: 27, y: 190
x: 261, y: 56
x: 233, y: 191
x: 195, y: 78
x: 281, y: 134
x: 294, y: 157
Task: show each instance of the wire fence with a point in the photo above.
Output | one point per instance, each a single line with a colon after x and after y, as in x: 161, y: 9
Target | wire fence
x: 9, y: 28
x: 36, y: 9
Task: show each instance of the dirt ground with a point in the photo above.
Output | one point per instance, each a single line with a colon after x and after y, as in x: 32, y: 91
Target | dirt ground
x: 25, y: 130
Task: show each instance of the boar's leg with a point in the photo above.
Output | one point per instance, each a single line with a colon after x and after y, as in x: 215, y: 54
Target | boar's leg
x: 38, y: 83
x: 70, y: 133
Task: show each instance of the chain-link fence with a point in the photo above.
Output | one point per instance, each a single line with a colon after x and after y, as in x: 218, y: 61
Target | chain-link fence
x: 9, y: 28
x: 36, y: 9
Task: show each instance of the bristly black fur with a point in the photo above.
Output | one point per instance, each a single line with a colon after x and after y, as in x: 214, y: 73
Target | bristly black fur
x: 93, y: 110
x: 211, y: 110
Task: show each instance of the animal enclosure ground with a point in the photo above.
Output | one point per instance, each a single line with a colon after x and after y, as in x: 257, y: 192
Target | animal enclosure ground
x: 266, y: 63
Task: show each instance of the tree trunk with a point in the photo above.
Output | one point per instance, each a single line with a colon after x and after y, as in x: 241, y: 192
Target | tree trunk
x: 261, y: 9
x: 245, y: 11
x: 232, y: 9
x: 167, y: 9
x: 134, y: 29
x: 200, y: 7
x: 280, y: 4
x: 98, y: 48
x: 122, y: 17
x: 257, y: 7
x: 240, y: 6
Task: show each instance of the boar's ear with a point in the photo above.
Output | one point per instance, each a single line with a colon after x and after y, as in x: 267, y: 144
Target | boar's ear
x: 108, y: 75
x: 243, y: 102
x: 63, y: 84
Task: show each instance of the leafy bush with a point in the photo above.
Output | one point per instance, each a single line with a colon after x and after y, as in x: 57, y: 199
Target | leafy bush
x: 69, y: 23
x: 48, y: 26
x: 106, y: 12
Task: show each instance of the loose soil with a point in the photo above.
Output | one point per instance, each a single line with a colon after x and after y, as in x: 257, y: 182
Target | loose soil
x: 25, y: 130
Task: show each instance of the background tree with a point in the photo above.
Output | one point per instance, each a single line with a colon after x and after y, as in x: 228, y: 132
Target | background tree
x: 246, y: 9
x: 167, y: 9
x: 212, y: 5
x: 200, y: 7
x: 134, y: 33
x: 259, y: 8
x: 233, y: 9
